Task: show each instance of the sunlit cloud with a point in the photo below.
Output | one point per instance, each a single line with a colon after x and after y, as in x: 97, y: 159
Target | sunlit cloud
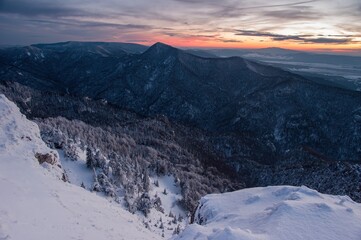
x: 312, y: 24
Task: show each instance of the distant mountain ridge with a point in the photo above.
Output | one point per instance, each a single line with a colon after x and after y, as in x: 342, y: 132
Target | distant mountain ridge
x: 283, y: 111
x: 107, y: 46
x: 327, y: 68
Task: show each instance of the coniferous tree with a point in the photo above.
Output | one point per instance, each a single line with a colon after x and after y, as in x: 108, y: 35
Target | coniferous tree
x: 146, y: 182
x: 89, y: 158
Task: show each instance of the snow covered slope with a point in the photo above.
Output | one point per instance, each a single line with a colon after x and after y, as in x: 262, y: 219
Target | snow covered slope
x: 36, y: 204
x: 275, y: 213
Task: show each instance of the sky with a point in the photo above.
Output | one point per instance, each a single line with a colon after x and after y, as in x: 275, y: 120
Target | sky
x: 315, y: 25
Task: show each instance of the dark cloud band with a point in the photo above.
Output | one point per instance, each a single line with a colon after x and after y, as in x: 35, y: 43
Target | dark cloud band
x: 306, y: 38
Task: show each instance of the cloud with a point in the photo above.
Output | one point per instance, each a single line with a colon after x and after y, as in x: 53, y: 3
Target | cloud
x: 230, y: 41
x: 294, y: 13
x: 91, y: 24
x: 238, y: 4
x: 174, y: 33
x: 265, y: 34
x: 138, y: 41
x: 197, y: 1
x: 199, y: 36
x: 36, y: 8
x: 327, y: 40
x: 55, y: 30
x: 236, y: 9
x: 207, y: 21
x: 303, y: 38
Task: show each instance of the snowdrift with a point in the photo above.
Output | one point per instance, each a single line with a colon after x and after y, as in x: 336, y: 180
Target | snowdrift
x: 275, y: 213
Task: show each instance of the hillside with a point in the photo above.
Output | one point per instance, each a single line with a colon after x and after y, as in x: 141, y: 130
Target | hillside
x: 35, y: 201
x: 216, y: 124
x: 42, y: 198
x: 282, y: 111
x: 275, y: 213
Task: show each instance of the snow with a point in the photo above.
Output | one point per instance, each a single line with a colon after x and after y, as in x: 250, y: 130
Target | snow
x: 37, y: 204
x: 275, y: 213
x: 102, y: 51
x: 77, y: 171
x: 170, y: 199
x: 253, y: 68
x: 169, y: 204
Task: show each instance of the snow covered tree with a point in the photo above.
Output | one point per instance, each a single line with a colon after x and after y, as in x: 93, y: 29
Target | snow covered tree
x: 89, y: 158
x: 146, y: 182
x: 157, y: 203
x: 176, y: 230
x: 174, y: 221
x: 156, y: 183
x: 96, y: 187
x: 144, y: 204
x: 71, y: 150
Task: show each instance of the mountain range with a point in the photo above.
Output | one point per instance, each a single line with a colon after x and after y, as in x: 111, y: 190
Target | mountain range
x: 268, y: 125
x: 283, y: 110
x: 330, y: 69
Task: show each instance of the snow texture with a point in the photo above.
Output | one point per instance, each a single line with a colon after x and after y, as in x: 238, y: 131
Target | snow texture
x: 173, y: 194
x: 170, y: 205
x: 275, y: 213
x: 36, y: 204
x: 77, y: 171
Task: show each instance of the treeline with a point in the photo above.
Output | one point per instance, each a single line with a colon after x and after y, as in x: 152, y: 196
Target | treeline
x: 123, y: 163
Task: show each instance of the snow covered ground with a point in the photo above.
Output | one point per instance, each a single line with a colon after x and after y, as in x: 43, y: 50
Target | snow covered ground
x: 172, y: 195
x: 36, y: 204
x: 275, y: 213
x: 173, y: 216
x: 77, y: 171
x: 160, y: 223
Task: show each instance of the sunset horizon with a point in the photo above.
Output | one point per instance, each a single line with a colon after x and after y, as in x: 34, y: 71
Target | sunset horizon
x: 180, y: 119
x: 313, y: 25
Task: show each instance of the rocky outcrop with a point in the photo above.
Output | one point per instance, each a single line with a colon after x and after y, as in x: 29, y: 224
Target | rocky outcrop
x: 50, y: 158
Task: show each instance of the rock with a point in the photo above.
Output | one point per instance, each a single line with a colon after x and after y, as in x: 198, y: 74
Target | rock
x: 50, y: 158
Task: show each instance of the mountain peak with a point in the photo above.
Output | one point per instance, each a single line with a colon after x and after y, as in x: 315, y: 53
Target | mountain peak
x: 161, y: 45
x: 160, y: 49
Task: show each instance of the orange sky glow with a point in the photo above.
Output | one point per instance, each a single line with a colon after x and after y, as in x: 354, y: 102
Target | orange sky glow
x: 194, y: 42
x: 309, y: 25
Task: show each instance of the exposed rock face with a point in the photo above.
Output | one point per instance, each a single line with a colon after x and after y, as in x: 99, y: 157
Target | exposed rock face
x: 50, y: 158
